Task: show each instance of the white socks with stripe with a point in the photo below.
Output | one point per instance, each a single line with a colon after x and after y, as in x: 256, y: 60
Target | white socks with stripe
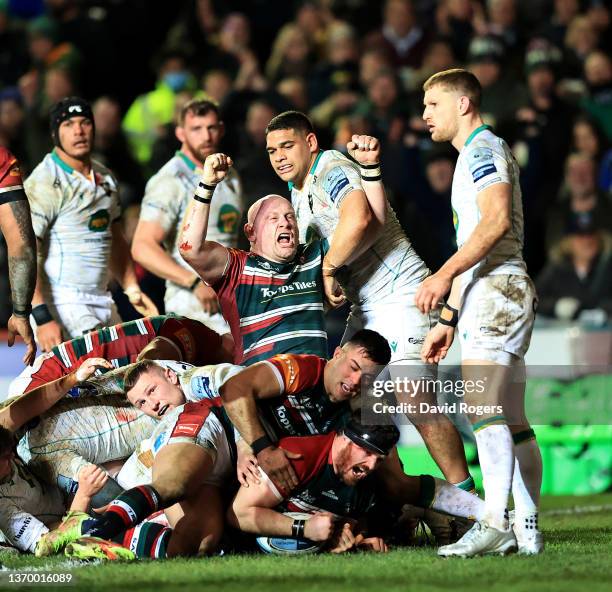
x: 527, y: 480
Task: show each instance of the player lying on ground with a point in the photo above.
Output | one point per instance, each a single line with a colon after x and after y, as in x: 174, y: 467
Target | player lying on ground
x: 337, y: 485
x: 30, y: 507
x: 192, y: 457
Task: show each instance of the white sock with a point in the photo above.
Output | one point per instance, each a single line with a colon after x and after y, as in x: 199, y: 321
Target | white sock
x: 527, y: 479
x: 457, y: 502
x: 496, y: 455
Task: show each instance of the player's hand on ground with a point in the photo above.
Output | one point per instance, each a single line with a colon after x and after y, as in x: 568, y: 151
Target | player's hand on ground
x: 432, y: 291
x: 343, y: 539
x: 275, y: 463
x: 333, y: 292
x: 437, y: 343
x: 246, y: 466
x: 88, y: 367
x: 141, y: 302
x: 320, y: 527
x: 375, y: 544
x: 49, y: 335
x: 364, y: 149
x: 216, y: 167
x: 91, y: 479
x: 21, y: 325
x: 208, y: 298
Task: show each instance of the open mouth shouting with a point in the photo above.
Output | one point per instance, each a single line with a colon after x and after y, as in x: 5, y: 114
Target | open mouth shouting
x: 285, y: 239
x: 163, y: 410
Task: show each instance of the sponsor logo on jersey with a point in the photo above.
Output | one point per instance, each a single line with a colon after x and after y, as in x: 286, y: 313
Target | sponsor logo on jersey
x: 393, y: 345
x: 228, y: 219
x: 186, y: 429
x: 416, y: 340
x: 480, y: 163
x: 186, y: 340
x: 294, y: 288
x: 200, y: 386
x: 99, y: 221
x: 335, y: 182
x: 24, y: 527
x: 283, y: 419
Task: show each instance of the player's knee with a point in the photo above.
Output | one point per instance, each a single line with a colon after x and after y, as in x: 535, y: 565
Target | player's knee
x: 170, y: 488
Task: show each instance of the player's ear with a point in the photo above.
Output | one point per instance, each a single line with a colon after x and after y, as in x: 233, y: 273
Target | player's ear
x: 463, y: 104
x: 171, y: 376
x: 249, y: 232
x: 338, y: 352
x: 179, y: 132
x: 313, y: 143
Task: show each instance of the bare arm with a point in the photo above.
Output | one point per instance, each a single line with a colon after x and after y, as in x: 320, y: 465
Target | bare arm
x: 41, y: 399
x: 16, y: 226
x: 494, y: 204
x: 147, y: 250
x: 207, y: 258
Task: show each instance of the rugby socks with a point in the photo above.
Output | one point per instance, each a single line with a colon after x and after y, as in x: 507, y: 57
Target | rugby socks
x: 146, y: 540
x: 129, y: 509
x: 467, y: 485
x: 496, y: 456
x: 442, y: 496
x: 527, y: 479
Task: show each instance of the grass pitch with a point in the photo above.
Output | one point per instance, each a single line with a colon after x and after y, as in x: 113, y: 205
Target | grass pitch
x: 578, y: 556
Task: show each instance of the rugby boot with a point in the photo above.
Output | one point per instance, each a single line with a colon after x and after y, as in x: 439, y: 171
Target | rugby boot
x: 481, y: 539
x: 88, y: 548
x: 55, y: 540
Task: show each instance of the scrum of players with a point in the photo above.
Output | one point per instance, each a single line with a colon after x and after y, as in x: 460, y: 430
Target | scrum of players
x: 223, y: 425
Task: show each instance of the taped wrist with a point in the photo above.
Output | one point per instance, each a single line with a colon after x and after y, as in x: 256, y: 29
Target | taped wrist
x: 22, y: 312
x: 449, y: 316
x: 196, y: 282
x: 204, y: 192
x: 297, y: 528
x: 41, y: 314
x: 368, y: 172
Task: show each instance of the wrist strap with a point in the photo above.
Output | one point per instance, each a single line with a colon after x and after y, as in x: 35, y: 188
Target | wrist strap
x: 297, y: 528
x: 41, y: 314
x: 204, y: 192
x: 368, y: 172
x: 449, y: 316
x: 194, y: 284
x: 261, y: 444
x: 22, y: 312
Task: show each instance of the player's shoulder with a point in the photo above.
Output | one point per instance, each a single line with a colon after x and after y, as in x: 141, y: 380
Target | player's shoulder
x: 298, y: 370
x: 331, y: 159
x: 314, y: 451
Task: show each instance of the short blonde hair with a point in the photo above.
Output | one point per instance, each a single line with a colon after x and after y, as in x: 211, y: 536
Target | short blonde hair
x: 457, y: 79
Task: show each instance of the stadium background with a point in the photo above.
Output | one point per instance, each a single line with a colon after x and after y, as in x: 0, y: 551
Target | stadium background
x: 356, y: 67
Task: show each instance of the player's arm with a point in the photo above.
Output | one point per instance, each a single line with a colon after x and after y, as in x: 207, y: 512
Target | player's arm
x: 208, y: 258
x: 252, y: 511
x: 16, y: 226
x: 41, y: 399
x: 240, y: 394
x: 122, y: 268
x: 495, y: 207
x: 91, y: 480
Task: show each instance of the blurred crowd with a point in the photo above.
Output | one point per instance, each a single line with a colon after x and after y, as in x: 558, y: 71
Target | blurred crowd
x: 354, y: 66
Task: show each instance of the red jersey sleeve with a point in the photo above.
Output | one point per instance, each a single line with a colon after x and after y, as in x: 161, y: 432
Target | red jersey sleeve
x: 297, y: 372
x: 11, y: 184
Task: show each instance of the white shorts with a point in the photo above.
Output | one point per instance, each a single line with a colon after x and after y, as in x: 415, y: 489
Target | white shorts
x: 402, y: 324
x: 496, y: 318
x: 185, y: 304
x: 181, y: 426
x: 80, y: 312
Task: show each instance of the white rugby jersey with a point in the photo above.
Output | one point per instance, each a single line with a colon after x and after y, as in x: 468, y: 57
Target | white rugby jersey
x: 485, y: 160
x: 72, y: 215
x: 167, y: 196
x: 27, y: 507
x: 389, y: 267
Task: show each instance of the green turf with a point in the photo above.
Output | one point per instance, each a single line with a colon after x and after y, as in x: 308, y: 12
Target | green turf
x: 578, y: 557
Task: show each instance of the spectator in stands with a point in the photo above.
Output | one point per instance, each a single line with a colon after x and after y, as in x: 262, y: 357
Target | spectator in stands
x: 11, y: 124
x: 148, y: 114
x: 581, y: 39
x: 217, y: 84
x: 454, y: 20
x: 563, y: 13
x: 291, y: 54
x: 579, y: 276
x: 400, y: 35
x: 598, y: 102
x: 294, y: 90
x: 111, y: 149
x: 588, y: 140
x: 13, y: 48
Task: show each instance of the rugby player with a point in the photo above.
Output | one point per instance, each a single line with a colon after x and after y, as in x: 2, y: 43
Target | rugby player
x: 76, y: 218
x: 167, y: 195
x: 492, y: 304
x: 30, y: 507
x: 164, y: 337
x: 333, y: 486
x: 16, y: 227
x: 378, y: 270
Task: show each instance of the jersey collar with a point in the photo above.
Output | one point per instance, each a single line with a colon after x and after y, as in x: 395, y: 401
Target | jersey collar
x: 190, y: 164
x: 56, y: 157
x: 479, y: 129
x: 312, y: 168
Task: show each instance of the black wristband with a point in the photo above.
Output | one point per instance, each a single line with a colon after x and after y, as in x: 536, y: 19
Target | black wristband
x: 22, y: 312
x: 297, y: 529
x: 363, y: 166
x: 204, y: 200
x: 261, y: 444
x: 454, y: 316
x: 207, y: 187
x: 41, y: 314
x: 375, y: 178
x: 195, y: 284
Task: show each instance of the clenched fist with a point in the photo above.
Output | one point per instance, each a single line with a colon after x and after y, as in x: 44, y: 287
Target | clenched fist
x: 364, y: 149
x: 216, y: 167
